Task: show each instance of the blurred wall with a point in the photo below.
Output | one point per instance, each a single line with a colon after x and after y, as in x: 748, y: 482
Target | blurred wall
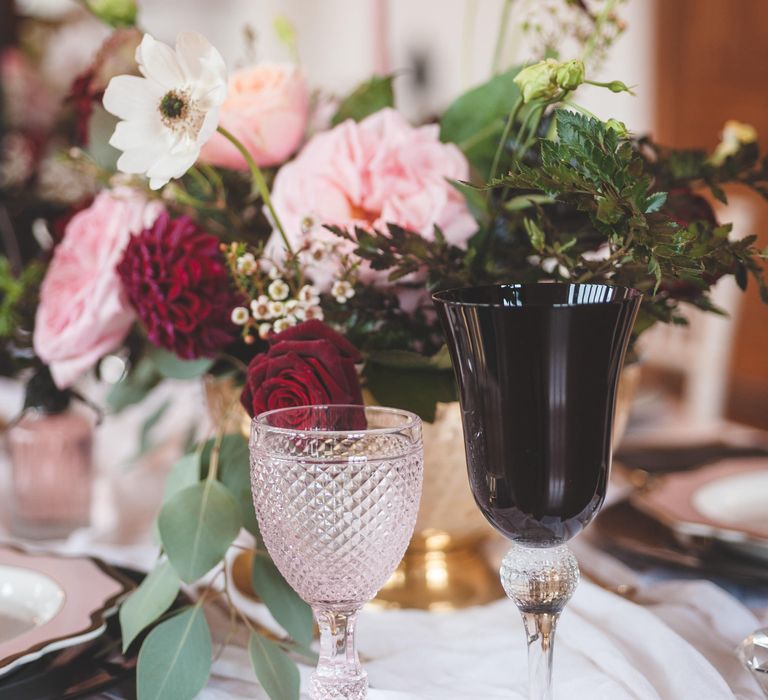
x: 711, y: 66
x: 438, y: 47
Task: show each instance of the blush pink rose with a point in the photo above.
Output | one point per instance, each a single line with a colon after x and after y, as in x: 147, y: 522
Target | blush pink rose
x: 267, y: 108
x: 378, y: 171
x: 84, y: 312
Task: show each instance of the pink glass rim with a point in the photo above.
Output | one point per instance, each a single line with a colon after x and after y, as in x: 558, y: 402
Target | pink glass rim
x: 410, y: 420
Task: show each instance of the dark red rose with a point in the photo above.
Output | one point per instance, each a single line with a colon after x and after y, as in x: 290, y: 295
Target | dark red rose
x: 684, y: 207
x: 82, y: 100
x: 177, y: 280
x: 308, y: 364
x: 116, y: 56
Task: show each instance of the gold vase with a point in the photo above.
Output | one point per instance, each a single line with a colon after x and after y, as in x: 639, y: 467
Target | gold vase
x: 444, y: 567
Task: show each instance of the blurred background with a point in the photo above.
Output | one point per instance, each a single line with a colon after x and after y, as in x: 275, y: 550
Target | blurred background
x: 695, y: 64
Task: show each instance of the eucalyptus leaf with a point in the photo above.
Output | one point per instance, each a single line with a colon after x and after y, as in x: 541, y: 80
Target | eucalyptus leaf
x: 145, y: 434
x: 405, y: 359
x: 150, y: 600
x: 134, y: 387
x: 235, y: 474
x: 196, y: 527
x: 175, y: 659
x: 370, y: 97
x: 475, y: 120
x: 184, y: 473
x: 290, y: 611
x: 411, y: 389
x: 277, y: 673
x: 173, y: 367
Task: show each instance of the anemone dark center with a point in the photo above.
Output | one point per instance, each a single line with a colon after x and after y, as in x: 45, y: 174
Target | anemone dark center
x: 173, y: 105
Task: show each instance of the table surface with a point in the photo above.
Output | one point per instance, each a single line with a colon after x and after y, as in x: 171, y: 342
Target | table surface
x: 673, y: 641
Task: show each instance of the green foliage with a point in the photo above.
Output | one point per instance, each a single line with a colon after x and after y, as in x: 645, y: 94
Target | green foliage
x: 173, y: 367
x: 411, y: 381
x: 118, y: 13
x: 175, y: 659
x: 196, y: 526
x: 184, y: 473
x: 15, y: 291
x: 235, y: 474
x: 135, y: 386
x: 290, y: 611
x: 150, y: 600
x: 276, y: 672
x: 592, y: 171
x: 475, y: 120
x: 370, y: 97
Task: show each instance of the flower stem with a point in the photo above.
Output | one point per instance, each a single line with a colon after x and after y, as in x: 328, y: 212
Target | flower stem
x: 504, y: 136
x: 501, y: 36
x: 259, y: 182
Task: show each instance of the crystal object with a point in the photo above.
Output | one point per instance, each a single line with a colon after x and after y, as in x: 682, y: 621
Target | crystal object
x: 336, y: 491
x: 538, y: 368
x: 753, y: 653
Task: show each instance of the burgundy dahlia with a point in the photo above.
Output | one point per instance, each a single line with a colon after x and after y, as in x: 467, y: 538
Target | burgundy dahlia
x: 176, y: 279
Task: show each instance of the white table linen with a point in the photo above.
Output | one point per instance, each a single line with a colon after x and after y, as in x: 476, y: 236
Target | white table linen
x: 675, y: 643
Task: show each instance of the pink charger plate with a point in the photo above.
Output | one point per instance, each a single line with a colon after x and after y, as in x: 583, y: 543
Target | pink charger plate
x: 77, y: 593
x: 726, y: 502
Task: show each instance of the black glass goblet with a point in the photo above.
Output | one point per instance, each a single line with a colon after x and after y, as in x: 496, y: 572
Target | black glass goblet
x: 538, y: 366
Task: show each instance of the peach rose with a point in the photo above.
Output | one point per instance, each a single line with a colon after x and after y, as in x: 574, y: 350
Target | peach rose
x: 267, y: 107
x: 83, y: 312
x: 378, y: 171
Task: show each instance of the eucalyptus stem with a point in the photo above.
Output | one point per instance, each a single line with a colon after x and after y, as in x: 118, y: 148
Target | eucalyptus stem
x: 501, y: 36
x: 504, y: 136
x: 214, y: 178
x: 200, y: 179
x: 535, y: 108
x: 259, y: 182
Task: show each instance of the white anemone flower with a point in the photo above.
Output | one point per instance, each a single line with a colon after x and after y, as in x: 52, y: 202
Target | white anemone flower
x: 168, y: 114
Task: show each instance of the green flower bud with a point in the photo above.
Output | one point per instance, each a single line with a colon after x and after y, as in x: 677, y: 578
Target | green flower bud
x: 617, y: 86
x: 570, y: 74
x: 619, y: 127
x: 118, y: 13
x: 538, y: 81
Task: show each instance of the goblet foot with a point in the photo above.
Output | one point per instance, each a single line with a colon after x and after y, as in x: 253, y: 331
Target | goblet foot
x: 540, y: 581
x: 324, y: 688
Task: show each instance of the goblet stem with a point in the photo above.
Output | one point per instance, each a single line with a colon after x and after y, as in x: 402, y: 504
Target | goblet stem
x: 540, y: 631
x: 540, y: 581
x: 339, y: 674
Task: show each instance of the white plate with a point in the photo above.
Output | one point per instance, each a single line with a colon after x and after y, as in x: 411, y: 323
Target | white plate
x: 50, y: 602
x: 740, y: 501
x: 727, y: 502
x: 28, y: 599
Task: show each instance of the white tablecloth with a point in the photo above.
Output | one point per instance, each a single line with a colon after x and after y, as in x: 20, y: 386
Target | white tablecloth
x: 675, y: 643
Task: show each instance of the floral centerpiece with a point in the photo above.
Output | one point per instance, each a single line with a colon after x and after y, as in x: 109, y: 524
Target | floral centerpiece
x: 260, y: 230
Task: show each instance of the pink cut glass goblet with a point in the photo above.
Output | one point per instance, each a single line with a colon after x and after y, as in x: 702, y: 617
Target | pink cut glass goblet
x: 336, y: 491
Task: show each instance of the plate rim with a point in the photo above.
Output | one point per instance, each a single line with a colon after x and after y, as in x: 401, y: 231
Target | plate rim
x: 703, y: 526
x: 98, y: 617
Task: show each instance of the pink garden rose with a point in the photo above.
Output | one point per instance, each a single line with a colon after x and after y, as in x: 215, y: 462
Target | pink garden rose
x: 378, y: 171
x: 83, y: 312
x: 267, y: 107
